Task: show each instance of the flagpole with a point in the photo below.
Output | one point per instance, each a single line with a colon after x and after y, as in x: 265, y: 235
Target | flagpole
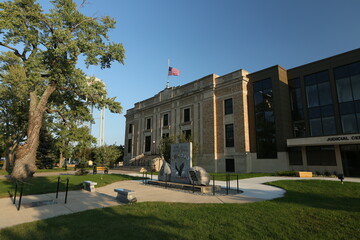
x: 168, y: 83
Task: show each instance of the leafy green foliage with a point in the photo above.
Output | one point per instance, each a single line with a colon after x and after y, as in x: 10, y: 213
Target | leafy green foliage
x: 106, y: 155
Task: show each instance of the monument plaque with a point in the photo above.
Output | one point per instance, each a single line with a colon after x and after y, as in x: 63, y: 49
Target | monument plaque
x: 181, y: 162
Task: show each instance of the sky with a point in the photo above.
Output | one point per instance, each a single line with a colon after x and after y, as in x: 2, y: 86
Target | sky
x: 202, y: 37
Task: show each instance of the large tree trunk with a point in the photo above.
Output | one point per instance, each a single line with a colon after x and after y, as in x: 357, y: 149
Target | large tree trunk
x: 9, y: 157
x: 61, y: 159
x: 26, y: 154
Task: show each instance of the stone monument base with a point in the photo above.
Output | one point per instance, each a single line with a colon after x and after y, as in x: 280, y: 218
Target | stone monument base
x: 189, y: 187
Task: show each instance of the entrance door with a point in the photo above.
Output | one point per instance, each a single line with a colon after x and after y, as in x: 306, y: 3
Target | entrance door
x: 230, y: 165
x: 350, y: 155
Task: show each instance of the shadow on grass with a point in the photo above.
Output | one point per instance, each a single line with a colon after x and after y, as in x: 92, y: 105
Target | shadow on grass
x: 106, y: 223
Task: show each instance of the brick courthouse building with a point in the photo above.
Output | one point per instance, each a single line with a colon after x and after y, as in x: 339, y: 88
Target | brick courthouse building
x: 304, y: 118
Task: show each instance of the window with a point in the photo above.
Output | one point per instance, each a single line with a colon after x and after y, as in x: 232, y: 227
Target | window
x: 187, y: 134
x: 129, y: 145
x: 264, y: 119
x: 321, y: 156
x: 295, y: 157
x: 130, y: 128
x: 148, y: 123
x: 166, y: 120
x: 229, y: 165
x: 165, y: 135
x: 147, y: 143
x: 229, y: 135
x: 348, y: 92
x: 319, y: 104
x: 228, y: 103
x: 186, y: 115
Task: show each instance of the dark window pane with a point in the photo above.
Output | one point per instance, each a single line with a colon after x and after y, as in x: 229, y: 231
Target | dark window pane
x: 310, y: 80
x: 257, y: 86
x: 322, y: 77
x: 328, y: 124
x: 187, y: 134
x: 230, y: 165
x: 229, y: 106
x: 129, y: 147
x: 312, y: 96
x: 349, y: 123
x: 147, y: 143
x: 327, y: 111
x: 346, y: 108
x: 357, y: 106
x: 267, y: 84
x: 269, y: 117
x: 148, y: 123
x: 354, y: 69
x: 355, y: 83
x: 229, y: 135
x: 166, y: 120
x: 321, y: 156
x: 299, y: 129
x: 295, y: 157
x: 324, y: 93
x: 314, y: 112
x: 165, y: 135
x: 130, y: 128
x: 266, y: 148
x: 341, y: 72
x: 343, y: 88
x: 315, y: 127
x: 295, y: 83
x: 187, y: 115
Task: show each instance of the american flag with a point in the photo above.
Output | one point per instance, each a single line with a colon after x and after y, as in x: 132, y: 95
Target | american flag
x: 173, y: 72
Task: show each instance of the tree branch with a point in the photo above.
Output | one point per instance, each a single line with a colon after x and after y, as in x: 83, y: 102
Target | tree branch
x: 58, y: 112
x: 85, y: 20
x: 11, y: 48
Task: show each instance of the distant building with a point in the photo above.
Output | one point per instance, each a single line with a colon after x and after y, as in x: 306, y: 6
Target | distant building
x: 304, y: 118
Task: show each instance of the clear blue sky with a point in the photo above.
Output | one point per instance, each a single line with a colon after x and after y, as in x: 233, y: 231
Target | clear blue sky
x: 215, y: 36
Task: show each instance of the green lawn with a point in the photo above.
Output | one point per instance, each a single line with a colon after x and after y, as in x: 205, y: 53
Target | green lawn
x: 310, y: 210
x: 39, y: 185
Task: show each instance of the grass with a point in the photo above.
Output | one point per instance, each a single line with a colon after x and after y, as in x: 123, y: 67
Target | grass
x: 40, y: 185
x: 310, y: 210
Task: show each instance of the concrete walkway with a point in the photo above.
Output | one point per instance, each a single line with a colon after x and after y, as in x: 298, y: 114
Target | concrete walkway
x: 254, y: 190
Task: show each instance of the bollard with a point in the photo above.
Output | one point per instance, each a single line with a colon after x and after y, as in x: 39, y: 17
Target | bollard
x: 16, y: 185
x: 193, y: 186
x: 146, y: 178
x: 237, y: 183
x: 151, y: 175
x: 57, y: 188
x: 213, y: 184
x: 67, y: 188
x: 21, y: 192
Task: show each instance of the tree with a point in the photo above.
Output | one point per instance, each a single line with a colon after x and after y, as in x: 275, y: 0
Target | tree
x: 106, y: 155
x: 49, y: 46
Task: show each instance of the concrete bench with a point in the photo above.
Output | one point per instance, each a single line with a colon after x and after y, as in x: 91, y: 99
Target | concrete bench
x: 125, y: 195
x: 89, y: 186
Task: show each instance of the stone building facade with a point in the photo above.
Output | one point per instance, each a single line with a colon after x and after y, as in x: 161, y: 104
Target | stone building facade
x: 270, y: 120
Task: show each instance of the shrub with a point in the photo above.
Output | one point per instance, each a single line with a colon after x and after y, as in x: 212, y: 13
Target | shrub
x: 286, y: 173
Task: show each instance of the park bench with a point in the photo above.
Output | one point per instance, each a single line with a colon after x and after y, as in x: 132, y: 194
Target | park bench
x: 89, y: 186
x: 96, y: 169
x: 125, y: 195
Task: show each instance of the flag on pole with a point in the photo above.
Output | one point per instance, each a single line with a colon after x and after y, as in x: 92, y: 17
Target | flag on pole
x: 173, y: 72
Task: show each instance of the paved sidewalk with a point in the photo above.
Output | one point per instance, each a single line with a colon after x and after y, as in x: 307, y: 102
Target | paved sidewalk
x: 254, y: 190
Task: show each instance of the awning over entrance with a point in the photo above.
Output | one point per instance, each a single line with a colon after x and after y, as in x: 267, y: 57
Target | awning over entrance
x: 327, y: 140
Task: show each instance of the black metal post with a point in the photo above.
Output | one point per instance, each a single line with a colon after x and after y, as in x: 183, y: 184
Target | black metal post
x: 151, y: 175
x: 237, y: 183
x: 57, y: 188
x: 143, y: 174
x: 16, y: 185
x: 165, y: 183
x: 193, y: 183
x: 21, y: 192
x: 67, y: 188
x: 146, y: 177
x: 227, y: 184
x: 213, y: 184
